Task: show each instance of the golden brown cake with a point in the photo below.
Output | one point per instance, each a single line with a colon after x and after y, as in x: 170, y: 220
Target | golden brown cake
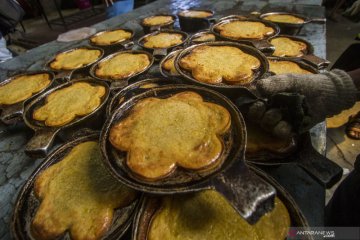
x: 161, y: 134
x: 286, y: 47
x: 208, y: 215
x: 78, y: 195
x: 23, y: 87
x: 207, y: 37
x: 284, y: 18
x: 244, y: 30
x: 284, y: 67
x: 123, y: 65
x: 195, y: 14
x: 169, y: 65
x: 157, y: 20
x: 111, y: 37
x: 75, y: 59
x: 64, y: 105
x: 220, y: 64
x: 163, y: 40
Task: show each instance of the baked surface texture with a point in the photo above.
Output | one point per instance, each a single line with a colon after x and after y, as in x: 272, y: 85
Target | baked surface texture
x: 157, y: 20
x: 123, y: 65
x: 195, y: 14
x: 163, y: 40
x: 284, y: 67
x: 208, y: 215
x: 161, y: 134
x: 75, y: 59
x: 23, y: 87
x: 64, y: 105
x: 208, y: 37
x: 286, y: 47
x: 78, y: 195
x: 169, y: 65
x: 220, y: 64
x: 284, y: 18
x: 244, y: 30
x: 111, y: 37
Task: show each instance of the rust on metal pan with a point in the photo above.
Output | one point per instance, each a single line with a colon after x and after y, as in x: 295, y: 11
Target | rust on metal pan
x: 133, y: 89
x: 159, y: 53
x: 225, y: 88
x: 308, y: 55
x: 150, y: 205
x: 44, y: 136
x: 249, y: 195
x: 292, y: 28
x: 121, y: 44
x: 11, y: 114
x: 120, y: 83
x: 27, y: 204
x: 149, y: 29
x: 261, y: 44
x: 67, y: 74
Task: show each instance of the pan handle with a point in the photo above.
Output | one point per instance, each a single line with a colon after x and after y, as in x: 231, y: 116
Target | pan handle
x: 317, y: 20
x: 12, y: 114
x: 65, y: 75
x: 39, y: 144
x: 128, y: 45
x: 159, y: 53
x: 116, y: 85
x: 251, y: 196
x: 316, y: 61
x: 321, y: 168
x: 264, y: 46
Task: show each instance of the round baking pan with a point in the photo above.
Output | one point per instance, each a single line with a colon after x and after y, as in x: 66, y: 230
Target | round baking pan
x: 66, y: 74
x: 152, y: 28
x: 151, y: 204
x: 308, y: 56
x: 27, y: 203
x: 165, y: 72
x: 261, y: 44
x: 120, y: 83
x: 224, y: 88
x: 116, y: 46
x: 251, y: 196
x: 44, y: 136
x: 159, y: 53
x: 11, y: 114
x: 133, y: 89
x: 293, y: 28
x: 193, y: 24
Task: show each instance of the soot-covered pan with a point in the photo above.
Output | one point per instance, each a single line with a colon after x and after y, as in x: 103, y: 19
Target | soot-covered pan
x: 159, y: 53
x: 293, y: 28
x: 27, y: 203
x: 44, y: 136
x: 120, y: 82
x: 149, y: 206
x: 308, y: 54
x: 12, y: 113
x: 250, y: 195
x: 262, y: 44
x: 133, y: 89
x: 66, y: 74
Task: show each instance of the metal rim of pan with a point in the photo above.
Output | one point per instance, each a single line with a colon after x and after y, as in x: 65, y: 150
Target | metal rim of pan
x: 180, y: 180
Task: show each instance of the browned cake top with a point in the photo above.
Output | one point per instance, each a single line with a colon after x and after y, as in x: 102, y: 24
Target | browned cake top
x: 244, y: 30
x: 161, y: 134
x: 163, y: 40
x: 158, y: 20
x: 284, y: 67
x: 195, y: 14
x: 287, y: 47
x: 284, y: 18
x: 220, y: 64
x: 111, y: 37
x: 75, y: 59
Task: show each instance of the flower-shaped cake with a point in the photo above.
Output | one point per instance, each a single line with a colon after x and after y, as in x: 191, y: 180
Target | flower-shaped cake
x: 286, y: 47
x: 244, y: 30
x: 163, y: 40
x: 64, y: 105
x: 217, y: 64
x: 161, y: 134
x: 78, y: 195
x: 75, y: 59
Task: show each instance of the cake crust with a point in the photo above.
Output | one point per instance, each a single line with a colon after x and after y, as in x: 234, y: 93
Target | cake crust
x: 286, y: 47
x: 75, y: 59
x: 244, y: 30
x: 111, y: 37
x: 163, y: 40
